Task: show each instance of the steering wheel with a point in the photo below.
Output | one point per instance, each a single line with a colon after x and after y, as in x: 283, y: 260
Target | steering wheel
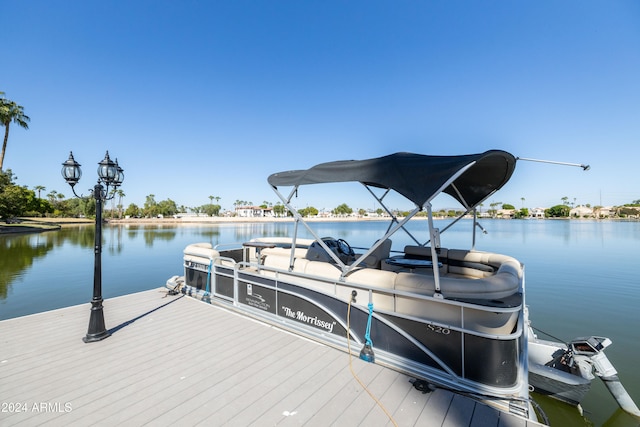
x: 344, y: 248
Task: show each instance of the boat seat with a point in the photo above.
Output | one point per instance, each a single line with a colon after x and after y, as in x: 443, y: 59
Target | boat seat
x: 203, y: 253
x: 283, y: 241
x: 281, y: 246
x: 279, y: 262
x: 424, y: 252
x: 501, y: 285
x: 283, y: 252
x: 503, y: 279
x: 331, y: 273
x: 368, y: 277
x: 476, y: 264
x: 201, y: 250
x: 373, y: 277
x: 382, y: 252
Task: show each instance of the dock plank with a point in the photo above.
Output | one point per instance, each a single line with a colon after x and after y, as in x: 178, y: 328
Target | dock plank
x: 390, y: 388
x: 485, y: 416
x: 411, y: 407
x: 173, y: 359
x: 434, y: 414
x: 460, y: 412
x: 338, y: 407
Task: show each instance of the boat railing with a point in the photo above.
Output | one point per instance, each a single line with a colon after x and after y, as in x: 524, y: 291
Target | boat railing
x: 461, y: 315
x: 401, y: 293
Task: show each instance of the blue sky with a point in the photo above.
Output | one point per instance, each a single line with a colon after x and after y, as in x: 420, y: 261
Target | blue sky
x: 200, y: 98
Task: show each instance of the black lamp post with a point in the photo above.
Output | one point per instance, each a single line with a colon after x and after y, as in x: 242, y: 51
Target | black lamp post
x: 110, y: 174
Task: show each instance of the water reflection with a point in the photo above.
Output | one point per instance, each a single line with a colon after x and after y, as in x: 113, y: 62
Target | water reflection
x: 248, y: 231
x: 17, y: 254
x: 152, y: 235
x: 114, y: 244
x: 19, y: 251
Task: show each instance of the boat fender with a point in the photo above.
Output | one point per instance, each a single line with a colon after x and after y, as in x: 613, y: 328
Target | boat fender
x: 366, y: 353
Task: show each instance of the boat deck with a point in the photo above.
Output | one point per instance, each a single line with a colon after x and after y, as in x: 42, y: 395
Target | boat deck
x: 174, y: 359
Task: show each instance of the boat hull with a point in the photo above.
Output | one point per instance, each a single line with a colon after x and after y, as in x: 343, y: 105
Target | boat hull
x: 566, y: 385
x: 557, y: 384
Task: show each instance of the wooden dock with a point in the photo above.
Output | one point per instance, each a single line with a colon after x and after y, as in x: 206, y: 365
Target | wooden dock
x: 173, y: 359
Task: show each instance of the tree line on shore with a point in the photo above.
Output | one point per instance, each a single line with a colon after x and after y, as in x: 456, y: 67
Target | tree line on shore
x: 20, y: 201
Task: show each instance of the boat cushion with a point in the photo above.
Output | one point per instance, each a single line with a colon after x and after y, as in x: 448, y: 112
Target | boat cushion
x: 382, y: 252
x: 424, y: 252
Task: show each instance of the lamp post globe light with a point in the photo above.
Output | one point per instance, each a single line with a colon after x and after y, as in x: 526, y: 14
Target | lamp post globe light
x: 110, y: 174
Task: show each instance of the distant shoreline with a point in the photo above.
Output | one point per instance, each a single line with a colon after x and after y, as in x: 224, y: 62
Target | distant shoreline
x: 235, y: 219
x: 38, y: 225
x: 27, y: 228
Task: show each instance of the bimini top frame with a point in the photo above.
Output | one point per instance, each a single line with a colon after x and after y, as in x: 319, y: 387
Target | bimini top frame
x: 470, y: 179
x: 415, y: 176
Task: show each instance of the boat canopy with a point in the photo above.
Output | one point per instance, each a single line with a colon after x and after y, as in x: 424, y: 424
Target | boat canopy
x: 417, y: 177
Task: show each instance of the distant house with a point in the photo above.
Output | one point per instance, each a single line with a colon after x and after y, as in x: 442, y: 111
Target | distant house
x: 603, y: 211
x: 253, y: 212
x: 505, y: 213
x: 626, y: 211
x: 581, y: 212
x: 537, y: 213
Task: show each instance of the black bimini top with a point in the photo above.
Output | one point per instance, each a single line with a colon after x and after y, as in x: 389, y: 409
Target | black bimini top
x: 415, y: 176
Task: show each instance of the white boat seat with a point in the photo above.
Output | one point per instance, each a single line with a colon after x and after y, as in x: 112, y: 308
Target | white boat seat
x: 477, y: 264
x: 382, y: 252
x: 284, y: 252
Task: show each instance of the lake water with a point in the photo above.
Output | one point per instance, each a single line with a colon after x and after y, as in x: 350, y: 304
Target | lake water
x: 582, y: 278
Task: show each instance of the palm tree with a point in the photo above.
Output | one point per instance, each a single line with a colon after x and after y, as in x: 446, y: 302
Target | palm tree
x: 112, y: 196
x: 120, y: 194
x: 39, y: 188
x: 10, y: 112
x: 52, y: 195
